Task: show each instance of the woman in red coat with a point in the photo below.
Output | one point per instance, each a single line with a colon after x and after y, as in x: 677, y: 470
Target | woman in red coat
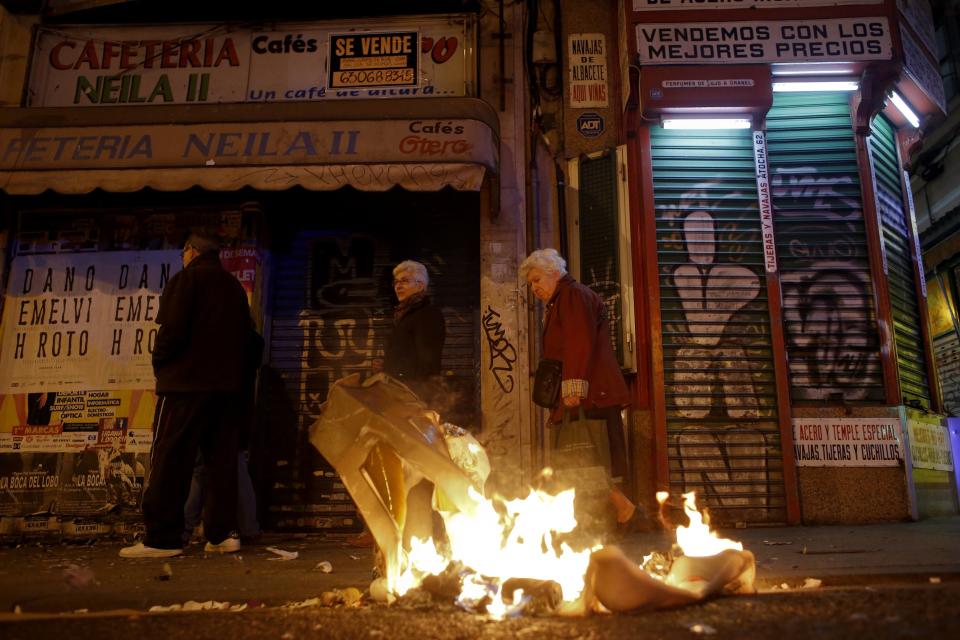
x: 576, y: 332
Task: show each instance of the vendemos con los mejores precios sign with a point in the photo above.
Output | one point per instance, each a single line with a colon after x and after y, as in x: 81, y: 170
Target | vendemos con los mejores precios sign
x: 844, y: 39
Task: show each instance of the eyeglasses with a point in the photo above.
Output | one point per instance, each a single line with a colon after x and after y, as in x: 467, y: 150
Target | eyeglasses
x: 403, y: 281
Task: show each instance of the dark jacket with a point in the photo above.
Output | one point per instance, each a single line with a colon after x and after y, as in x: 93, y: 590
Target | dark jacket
x: 205, y: 338
x: 413, y: 351
x: 577, y: 333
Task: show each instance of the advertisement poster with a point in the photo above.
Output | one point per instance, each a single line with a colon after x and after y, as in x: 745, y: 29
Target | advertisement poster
x: 76, y: 384
x: 81, y: 322
x: 847, y: 442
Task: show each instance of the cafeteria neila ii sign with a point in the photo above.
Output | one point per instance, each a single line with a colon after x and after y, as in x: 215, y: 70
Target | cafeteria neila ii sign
x: 832, y: 40
x: 188, y: 64
x: 245, y: 144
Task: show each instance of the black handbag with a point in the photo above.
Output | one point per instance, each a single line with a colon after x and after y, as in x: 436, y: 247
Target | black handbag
x: 546, y: 383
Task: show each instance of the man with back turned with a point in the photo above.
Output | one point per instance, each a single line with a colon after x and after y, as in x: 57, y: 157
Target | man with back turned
x: 204, y: 345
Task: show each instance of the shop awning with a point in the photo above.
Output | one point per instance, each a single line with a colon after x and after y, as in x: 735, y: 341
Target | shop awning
x: 371, y: 145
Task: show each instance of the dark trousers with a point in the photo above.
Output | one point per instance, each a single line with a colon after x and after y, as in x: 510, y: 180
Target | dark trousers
x: 618, y: 443
x: 183, y: 424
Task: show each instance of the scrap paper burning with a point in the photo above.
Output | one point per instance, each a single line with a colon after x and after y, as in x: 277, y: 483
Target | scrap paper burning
x: 420, y: 487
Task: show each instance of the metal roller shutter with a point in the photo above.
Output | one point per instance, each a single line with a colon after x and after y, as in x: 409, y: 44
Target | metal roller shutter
x: 599, y: 239
x: 911, y: 356
x: 721, y: 406
x: 829, y: 319
x: 332, y: 312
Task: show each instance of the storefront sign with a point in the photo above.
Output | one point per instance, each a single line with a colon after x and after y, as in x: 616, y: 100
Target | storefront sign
x: 764, y: 41
x: 248, y: 144
x: 82, y: 322
x: 763, y: 198
x: 847, y: 442
x: 719, y: 83
x: 929, y: 445
x: 587, y: 59
x: 95, y: 66
x: 679, y: 5
x: 374, y: 59
x: 922, y: 70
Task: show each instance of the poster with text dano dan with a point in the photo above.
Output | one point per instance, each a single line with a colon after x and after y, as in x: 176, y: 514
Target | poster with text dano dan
x: 78, y: 331
x: 82, y: 321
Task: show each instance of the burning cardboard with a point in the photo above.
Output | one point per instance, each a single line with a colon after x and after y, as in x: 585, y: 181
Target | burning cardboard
x: 402, y: 466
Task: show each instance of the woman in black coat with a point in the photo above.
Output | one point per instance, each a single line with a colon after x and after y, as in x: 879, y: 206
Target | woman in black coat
x: 413, y: 350
x: 412, y: 355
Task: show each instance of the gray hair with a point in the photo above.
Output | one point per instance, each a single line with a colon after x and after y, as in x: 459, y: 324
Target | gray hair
x: 546, y: 260
x: 418, y: 271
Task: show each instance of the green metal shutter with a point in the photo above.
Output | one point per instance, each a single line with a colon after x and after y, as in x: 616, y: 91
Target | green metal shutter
x: 721, y: 406
x: 599, y: 235
x: 830, y: 323
x: 911, y: 356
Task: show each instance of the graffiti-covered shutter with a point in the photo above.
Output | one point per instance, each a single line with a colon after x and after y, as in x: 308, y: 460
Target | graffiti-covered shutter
x: 721, y: 406
x: 602, y: 250
x: 829, y: 317
x: 898, y: 260
x: 332, y: 312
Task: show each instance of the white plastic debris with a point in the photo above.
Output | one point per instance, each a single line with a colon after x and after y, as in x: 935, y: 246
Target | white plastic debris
x: 934, y: 579
x: 302, y: 604
x: 193, y: 605
x: 703, y: 629
x: 283, y: 554
x: 812, y: 583
x: 324, y: 567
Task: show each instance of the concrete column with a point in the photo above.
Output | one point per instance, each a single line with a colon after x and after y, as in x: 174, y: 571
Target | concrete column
x: 504, y: 367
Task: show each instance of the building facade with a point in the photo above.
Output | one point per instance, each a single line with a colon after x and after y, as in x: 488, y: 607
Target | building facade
x: 762, y: 267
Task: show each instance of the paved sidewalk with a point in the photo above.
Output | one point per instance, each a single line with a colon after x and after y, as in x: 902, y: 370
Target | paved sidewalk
x: 47, y: 578
x: 846, y: 554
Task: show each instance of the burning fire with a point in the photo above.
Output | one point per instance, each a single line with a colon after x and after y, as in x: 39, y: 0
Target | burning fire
x: 696, y: 540
x: 518, y: 539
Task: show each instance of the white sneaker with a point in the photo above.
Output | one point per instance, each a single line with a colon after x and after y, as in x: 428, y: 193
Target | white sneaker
x: 228, y: 545
x: 141, y: 550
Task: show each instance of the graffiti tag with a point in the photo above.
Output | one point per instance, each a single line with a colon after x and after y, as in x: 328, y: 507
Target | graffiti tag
x: 502, y: 353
